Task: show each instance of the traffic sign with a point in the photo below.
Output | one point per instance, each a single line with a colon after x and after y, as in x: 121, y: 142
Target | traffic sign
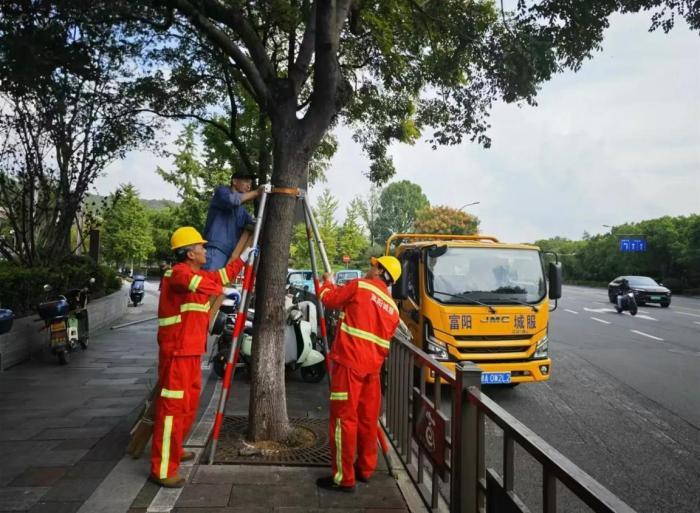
x: 633, y: 245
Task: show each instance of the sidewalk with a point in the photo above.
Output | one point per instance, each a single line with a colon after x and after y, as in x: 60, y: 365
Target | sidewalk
x: 64, y: 431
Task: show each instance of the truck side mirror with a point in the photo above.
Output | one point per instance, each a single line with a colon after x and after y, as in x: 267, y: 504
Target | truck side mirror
x: 400, y: 289
x: 555, y: 280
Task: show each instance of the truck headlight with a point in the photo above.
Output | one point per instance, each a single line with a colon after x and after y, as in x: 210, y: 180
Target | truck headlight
x: 542, y: 349
x: 436, y: 348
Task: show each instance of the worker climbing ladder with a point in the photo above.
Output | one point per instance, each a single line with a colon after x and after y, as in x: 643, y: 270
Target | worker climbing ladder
x: 250, y: 269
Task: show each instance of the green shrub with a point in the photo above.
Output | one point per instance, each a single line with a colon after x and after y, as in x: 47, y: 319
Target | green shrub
x: 674, y: 284
x: 23, y: 287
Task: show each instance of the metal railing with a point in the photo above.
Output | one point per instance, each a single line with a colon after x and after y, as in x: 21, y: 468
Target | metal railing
x: 435, y: 419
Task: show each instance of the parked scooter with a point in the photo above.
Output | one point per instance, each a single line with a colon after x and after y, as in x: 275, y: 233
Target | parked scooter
x: 136, y: 292
x: 626, y: 301
x: 66, y: 318
x: 6, y: 319
x: 301, y: 338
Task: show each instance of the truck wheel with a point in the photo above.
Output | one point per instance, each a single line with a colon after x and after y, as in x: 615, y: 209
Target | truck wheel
x: 84, y: 342
x: 63, y: 357
x: 313, y: 373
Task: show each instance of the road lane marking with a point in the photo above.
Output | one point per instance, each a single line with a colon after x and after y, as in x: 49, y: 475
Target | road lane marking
x: 598, y: 310
x: 684, y: 313
x: 640, y: 316
x: 600, y: 320
x: 574, y: 312
x: 647, y: 335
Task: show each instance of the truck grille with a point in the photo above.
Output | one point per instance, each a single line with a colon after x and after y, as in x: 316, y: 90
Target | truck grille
x: 490, y: 338
x: 471, y: 350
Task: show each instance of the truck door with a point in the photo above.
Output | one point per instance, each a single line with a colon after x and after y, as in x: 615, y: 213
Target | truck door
x: 410, y: 307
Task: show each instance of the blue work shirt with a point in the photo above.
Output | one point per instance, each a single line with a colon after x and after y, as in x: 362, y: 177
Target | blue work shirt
x: 225, y: 219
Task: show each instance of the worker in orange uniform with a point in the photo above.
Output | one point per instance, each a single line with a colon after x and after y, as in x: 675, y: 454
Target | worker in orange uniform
x: 183, y: 322
x: 368, y: 321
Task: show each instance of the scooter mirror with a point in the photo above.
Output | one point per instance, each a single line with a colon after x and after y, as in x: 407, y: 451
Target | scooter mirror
x: 47, y: 288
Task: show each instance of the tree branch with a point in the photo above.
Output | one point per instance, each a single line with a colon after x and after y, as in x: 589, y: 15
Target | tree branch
x: 219, y: 38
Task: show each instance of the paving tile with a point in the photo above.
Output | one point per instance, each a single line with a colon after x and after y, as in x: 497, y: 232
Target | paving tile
x: 257, y: 475
x: 322, y: 510
x: 205, y: 495
x: 102, y: 412
x: 72, y: 433
x: 146, y: 495
x: 385, y: 510
x: 245, y: 509
x: 90, y: 469
x: 67, y: 490
x: 120, y: 369
x: 20, y: 498
x: 110, y: 447
x: 111, y: 382
x: 17, y: 433
x: 39, y: 476
x: 81, y: 443
x: 381, y: 492
x: 262, y: 495
x: 55, y: 507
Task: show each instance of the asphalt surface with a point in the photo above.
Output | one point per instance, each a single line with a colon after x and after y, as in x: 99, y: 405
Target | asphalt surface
x: 623, y: 402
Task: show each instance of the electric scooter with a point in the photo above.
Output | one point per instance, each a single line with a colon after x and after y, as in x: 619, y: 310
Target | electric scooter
x: 301, y: 338
x: 626, y: 301
x: 136, y: 292
x: 66, y: 318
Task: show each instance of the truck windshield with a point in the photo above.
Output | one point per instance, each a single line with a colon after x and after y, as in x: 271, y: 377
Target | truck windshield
x: 489, y: 275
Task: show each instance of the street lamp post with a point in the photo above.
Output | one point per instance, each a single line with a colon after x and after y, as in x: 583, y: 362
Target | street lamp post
x: 469, y: 205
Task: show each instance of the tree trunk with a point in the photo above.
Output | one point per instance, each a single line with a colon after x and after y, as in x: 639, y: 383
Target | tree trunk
x: 268, y: 408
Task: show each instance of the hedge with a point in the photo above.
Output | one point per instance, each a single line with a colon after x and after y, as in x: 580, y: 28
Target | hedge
x: 22, y: 288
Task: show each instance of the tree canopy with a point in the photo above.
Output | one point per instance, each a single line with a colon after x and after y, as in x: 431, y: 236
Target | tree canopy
x: 447, y: 220
x: 127, y: 231
x: 398, y: 204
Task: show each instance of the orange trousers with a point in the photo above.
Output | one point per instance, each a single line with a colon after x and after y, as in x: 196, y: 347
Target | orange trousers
x: 180, y: 379
x: 355, y: 405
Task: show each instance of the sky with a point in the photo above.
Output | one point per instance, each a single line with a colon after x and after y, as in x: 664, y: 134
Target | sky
x: 617, y: 142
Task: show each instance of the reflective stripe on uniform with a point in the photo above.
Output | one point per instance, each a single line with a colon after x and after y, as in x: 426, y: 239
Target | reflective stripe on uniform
x: 195, y: 307
x: 378, y: 291
x: 172, y: 394
x: 365, y: 335
x: 165, y: 453
x: 194, y: 283
x: 168, y: 273
x: 338, y: 478
x: 323, y: 293
x: 224, y: 276
x: 339, y: 396
x: 169, y: 321
x: 341, y: 315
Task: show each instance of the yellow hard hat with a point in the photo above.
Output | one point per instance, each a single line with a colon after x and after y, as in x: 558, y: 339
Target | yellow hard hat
x: 185, y: 236
x: 390, y: 264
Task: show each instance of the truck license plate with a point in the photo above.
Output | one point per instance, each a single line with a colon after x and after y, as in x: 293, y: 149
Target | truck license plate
x: 495, y: 378
x: 655, y: 298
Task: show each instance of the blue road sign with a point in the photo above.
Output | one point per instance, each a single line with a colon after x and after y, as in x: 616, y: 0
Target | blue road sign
x: 633, y: 245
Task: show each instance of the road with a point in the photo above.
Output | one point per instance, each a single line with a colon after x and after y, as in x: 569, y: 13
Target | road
x: 623, y: 402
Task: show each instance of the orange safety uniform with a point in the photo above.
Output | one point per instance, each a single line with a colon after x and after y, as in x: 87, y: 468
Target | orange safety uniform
x: 368, y: 321
x: 183, y: 322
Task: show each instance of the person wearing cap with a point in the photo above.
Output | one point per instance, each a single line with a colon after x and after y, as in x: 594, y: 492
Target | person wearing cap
x: 227, y: 217
x: 183, y: 321
x: 367, y: 324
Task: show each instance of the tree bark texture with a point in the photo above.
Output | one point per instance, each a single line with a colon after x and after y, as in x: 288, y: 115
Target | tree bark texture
x: 268, y: 418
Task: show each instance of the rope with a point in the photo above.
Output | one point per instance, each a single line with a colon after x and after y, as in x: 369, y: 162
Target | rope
x: 289, y: 191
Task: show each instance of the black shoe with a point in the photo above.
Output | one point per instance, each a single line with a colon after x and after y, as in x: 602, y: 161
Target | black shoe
x: 359, y: 477
x: 327, y: 483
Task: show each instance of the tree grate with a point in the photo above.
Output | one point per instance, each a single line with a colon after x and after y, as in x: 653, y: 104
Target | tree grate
x: 233, y: 431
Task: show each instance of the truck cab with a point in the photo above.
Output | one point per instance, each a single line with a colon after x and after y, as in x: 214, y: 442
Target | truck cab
x: 473, y: 298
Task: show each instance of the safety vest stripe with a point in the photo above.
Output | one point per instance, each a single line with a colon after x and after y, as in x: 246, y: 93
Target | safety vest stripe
x: 339, y: 396
x: 165, y: 452
x: 169, y: 321
x: 168, y: 273
x: 172, y: 394
x: 194, y: 283
x: 323, y: 293
x: 341, y: 315
x: 365, y: 335
x: 378, y: 291
x: 195, y: 307
x: 224, y: 276
x: 338, y: 478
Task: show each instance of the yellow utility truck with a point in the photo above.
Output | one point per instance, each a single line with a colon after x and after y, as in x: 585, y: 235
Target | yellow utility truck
x: 473, y: 298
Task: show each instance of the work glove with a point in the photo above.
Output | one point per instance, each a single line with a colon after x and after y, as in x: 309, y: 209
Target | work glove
x: 245, y: 254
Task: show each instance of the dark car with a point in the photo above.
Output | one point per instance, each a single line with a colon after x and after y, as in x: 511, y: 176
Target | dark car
x: 645, y: 289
